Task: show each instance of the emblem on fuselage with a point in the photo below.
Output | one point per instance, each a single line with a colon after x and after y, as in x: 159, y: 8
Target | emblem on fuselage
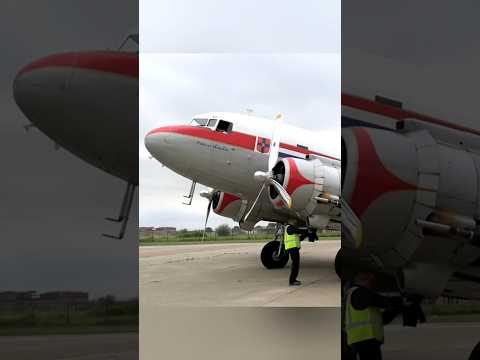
x: 263, y: 145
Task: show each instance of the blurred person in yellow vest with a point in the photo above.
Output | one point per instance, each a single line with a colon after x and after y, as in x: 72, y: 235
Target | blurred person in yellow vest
x: 366, y: 312
x: 292, y: 246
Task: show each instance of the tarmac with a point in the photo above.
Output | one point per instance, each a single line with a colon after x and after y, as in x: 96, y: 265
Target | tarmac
x: 182, y: 285
x: 70, y: 347
x: 214, y: 334
x: 232, y: 275
x: 439, y: 341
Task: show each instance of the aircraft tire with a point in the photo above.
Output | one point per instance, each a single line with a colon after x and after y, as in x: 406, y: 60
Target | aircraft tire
x: 269, y: 260
x: 475, y: 354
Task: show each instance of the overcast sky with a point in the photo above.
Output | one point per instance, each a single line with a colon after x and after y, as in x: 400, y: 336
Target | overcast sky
x: 52, y: 203
x: 174, y: 87
x: 240, y: 26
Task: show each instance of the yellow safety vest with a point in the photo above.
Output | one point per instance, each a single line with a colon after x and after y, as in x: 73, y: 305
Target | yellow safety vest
x: 364, y: 324
x: 291, y: 241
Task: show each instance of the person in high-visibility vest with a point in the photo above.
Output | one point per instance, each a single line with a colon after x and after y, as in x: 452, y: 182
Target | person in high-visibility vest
x: 366, y: 312
x: 292, y: 246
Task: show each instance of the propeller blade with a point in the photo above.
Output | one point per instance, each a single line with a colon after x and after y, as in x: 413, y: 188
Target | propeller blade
x: 275, y: 143
x: 254, y: 203
x: 206, y: 219
x: 351, y: 227
x: 287, y: 199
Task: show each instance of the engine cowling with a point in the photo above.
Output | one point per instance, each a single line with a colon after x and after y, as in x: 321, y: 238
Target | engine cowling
x: 417, y: 199
x: 379, y: 183
x: 227, y: 205
x: 313, y: 186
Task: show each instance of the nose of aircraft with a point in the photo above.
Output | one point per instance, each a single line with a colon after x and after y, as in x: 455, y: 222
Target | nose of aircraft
x: 158, y: 142
x: 37, y: 86
x: 173, y: 149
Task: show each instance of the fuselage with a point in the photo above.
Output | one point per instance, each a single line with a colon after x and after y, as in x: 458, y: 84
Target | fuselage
x: 86, y: 102
x: 225, y: 156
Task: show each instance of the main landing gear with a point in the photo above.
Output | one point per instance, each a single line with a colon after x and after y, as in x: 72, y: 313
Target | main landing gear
x: 273, y: 254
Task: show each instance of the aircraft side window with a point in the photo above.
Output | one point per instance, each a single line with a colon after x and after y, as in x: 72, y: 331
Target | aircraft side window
x: 199, y: 122
x: 224, y: 126
x: 212, y: 122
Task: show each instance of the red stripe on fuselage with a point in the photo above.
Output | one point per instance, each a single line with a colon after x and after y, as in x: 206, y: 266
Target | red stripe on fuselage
x: 305, y: 151
x: 116, y: 62
x: 234, y: 138
x: 397, y: 113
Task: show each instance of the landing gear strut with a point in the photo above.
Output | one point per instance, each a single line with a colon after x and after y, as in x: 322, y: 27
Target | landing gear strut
x: 273, y: 254
x: 124, y: 212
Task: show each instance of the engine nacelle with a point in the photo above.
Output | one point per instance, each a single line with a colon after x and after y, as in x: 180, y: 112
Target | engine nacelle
x: 417, y: 200
x: 379, y: 182
x: 227, y: 205
x: 313, y: 186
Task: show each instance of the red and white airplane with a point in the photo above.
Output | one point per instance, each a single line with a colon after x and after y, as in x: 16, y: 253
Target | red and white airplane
x: 87, y: 102
x: 260, y: 169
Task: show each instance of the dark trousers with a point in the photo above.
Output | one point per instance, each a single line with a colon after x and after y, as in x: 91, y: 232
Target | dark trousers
x: 368, y: 350
x: 295, y: 256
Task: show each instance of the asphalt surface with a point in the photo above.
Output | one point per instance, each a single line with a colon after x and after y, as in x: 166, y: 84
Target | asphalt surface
x: 232, y: 275
x: 239, y: 333
x: 70, y: 347
x: 439, y: 341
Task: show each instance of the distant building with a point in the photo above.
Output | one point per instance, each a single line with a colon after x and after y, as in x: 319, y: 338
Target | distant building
x: 63, y: 297
x: 16, y: 296
x: 149, y: 231
x: 146, y: 231
x: 166, y: 230
x: 146, y: 228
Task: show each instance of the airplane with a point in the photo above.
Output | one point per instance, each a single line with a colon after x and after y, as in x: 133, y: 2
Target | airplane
x: 412, y: 185
x: 87, y: 103
x: 259, y: 169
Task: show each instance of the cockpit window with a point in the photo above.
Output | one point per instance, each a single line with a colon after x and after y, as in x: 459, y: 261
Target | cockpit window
x: 224, y: 126
x: 212, y: 122
x: 199, y: 122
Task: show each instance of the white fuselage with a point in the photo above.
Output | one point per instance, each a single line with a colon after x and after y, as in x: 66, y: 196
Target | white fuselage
x: 228, y: 160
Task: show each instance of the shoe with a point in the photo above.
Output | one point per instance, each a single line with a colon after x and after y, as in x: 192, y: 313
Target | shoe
x: 296, y: 283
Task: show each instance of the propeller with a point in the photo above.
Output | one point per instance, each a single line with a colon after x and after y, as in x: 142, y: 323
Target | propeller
x: 352, y: 232
x: 266, y: 178
x: 207, y: 195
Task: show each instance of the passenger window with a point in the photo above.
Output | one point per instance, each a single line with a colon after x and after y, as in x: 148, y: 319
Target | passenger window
x: 224, y: 126
x: 212, y: 122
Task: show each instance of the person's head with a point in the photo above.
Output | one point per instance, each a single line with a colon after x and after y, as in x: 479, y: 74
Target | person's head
x: 366, y: 279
